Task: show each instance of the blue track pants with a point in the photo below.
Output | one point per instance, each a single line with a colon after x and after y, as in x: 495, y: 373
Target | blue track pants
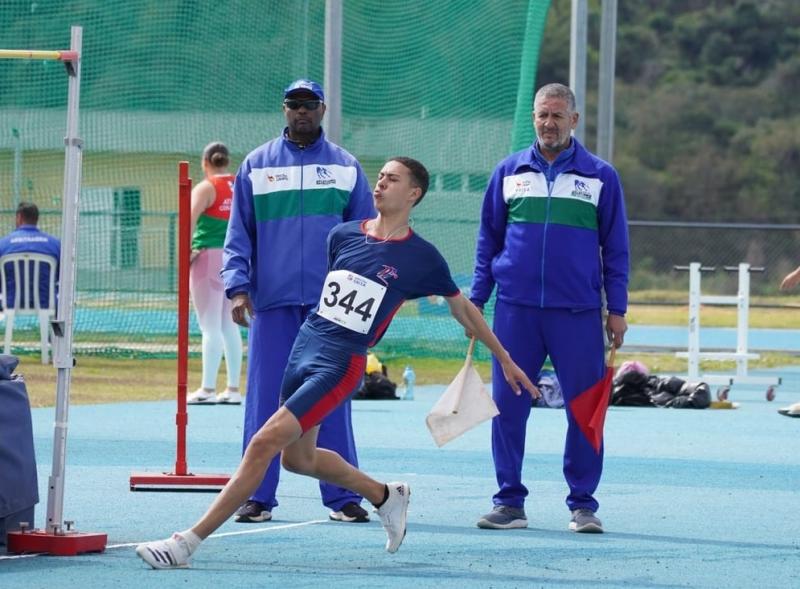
x: 574, y: 342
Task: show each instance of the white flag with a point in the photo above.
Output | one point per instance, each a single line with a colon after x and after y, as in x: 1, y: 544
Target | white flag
x: 464, y: 404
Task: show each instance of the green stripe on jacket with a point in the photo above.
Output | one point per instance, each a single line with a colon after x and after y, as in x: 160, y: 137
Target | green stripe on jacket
x: 286, y: 204
x: 564, y: 211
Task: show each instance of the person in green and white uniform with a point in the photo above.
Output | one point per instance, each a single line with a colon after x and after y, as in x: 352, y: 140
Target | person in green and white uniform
x: 211, y: 209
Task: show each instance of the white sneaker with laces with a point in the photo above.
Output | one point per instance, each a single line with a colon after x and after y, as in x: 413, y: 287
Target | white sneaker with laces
x: 227, y: 397
x: 393, y: 514
x: 172, y: 553
x: 202, y: 397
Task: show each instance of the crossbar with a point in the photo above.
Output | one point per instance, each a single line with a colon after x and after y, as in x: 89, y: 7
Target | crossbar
x: 43, y: 55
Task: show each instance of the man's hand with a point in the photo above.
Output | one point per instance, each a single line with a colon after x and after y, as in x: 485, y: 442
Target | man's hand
x: 471, y: 317
x: 616, y: 326
x: 241, y: 309
x: 517, y: 379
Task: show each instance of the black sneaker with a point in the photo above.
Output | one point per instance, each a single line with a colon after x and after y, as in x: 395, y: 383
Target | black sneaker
x: 351, y: 513
x: 253, y: 512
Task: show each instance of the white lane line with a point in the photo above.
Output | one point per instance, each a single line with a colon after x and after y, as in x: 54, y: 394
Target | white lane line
x: 269, y: 529
x: 15, y: 556
x: 221, y: 535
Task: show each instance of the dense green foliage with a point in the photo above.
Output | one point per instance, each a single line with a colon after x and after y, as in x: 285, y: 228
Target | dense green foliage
x: 707, y: 115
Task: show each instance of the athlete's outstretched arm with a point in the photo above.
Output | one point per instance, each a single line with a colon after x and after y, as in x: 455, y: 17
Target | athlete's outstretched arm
x: 468, y: 315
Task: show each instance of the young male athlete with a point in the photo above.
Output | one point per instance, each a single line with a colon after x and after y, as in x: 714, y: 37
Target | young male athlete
x: 373, y: 266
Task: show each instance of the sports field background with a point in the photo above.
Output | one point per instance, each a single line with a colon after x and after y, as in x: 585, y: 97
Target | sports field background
x: 688, y: 498
x: 156, y: 88
x: 157, y: 84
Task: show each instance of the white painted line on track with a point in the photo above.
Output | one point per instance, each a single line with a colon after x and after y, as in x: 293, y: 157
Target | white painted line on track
x: 221, y: 535
x: 270, y: 528
x: 15, y: 556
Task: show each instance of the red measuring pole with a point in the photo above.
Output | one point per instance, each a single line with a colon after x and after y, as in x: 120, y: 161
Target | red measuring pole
x: 184, y: 252
x: 181, y: 479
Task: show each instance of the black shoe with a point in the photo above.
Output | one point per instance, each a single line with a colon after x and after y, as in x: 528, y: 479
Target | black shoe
x: 351, y: 513
x: 253, y: 512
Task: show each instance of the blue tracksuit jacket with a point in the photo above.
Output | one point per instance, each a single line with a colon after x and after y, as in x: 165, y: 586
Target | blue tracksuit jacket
x: 285, y: 201
x: 544, y: 229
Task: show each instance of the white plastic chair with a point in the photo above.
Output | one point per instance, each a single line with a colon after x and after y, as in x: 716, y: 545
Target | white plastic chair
x: 27, y: 269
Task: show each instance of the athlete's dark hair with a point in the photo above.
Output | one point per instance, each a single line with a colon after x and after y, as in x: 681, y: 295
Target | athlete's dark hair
x: 419, y: 174
x: 29, y: 213
x: 216, y: 154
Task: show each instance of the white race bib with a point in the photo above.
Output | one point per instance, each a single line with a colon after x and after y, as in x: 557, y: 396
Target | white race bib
x: 350, y: 300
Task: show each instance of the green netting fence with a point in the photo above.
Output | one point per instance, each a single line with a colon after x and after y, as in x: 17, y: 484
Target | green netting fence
x: 438, y: 81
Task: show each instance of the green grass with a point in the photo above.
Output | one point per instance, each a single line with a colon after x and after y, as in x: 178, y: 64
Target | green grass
x: 98, y: 379
x: 714, y: 316
x: 438, y: 371
x: 116, y: 380
x: 106, y: 380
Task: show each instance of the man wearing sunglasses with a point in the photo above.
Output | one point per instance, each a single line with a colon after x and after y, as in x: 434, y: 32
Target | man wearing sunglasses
x: 287, y: 196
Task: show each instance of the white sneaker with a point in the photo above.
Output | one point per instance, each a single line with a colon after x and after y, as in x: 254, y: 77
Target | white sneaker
x: 227, y: 397
x: 172, y: 553
x: 393, y: 514
x: 201, y: 397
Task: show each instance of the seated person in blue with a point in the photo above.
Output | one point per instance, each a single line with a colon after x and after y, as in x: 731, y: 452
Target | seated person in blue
x: 373, y: 266
x: 28, y: 239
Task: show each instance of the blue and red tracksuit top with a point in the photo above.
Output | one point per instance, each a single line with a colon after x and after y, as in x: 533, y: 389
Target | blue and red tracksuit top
x: 285, y: 201
x: 553, y: 235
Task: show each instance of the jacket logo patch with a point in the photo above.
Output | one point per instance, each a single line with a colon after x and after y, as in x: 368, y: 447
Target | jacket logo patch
x: 521, y: 187
x: 582, y: 190
x: 278, y: 178
x: 324, y: 177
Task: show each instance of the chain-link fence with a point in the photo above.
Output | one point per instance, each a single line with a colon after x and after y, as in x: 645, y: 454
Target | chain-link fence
x: 657, y: 247
x: 159, y: 81
x: 137, y: 252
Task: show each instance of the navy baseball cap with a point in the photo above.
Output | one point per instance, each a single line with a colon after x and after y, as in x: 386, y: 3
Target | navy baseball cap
x: 307, y: 85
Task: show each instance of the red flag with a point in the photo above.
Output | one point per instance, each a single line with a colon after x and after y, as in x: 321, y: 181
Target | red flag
x: 590, y: 406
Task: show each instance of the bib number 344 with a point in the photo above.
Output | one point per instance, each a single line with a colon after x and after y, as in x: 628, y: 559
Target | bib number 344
x: 350, y: 300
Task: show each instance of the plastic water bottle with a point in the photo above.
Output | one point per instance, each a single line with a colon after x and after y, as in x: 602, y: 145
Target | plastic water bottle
x: 408, y: 379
